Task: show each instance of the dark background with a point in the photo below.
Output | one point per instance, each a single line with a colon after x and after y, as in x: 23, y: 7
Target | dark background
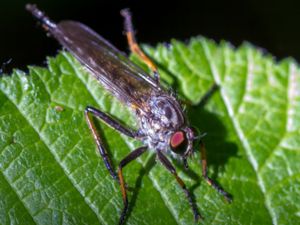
x: 272, y: 25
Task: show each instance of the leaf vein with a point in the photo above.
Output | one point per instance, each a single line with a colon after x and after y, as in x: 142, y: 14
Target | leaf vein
x: 56, y: 160
x: 19, y: 198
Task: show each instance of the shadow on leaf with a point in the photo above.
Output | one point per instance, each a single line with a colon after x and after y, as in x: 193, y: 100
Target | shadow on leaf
x: 219, y: 151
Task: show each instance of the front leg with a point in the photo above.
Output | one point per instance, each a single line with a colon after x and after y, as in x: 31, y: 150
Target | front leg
x: 210, y: 182
x: 112, y: 123
x: 168, y: 165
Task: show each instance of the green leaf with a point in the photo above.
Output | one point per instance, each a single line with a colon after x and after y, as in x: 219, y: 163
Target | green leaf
x: 51, y: 172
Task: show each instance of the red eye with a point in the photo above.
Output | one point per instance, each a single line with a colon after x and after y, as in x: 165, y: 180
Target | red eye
x: 178, y: 142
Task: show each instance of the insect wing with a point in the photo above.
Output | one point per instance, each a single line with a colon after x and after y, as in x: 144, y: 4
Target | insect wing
x: 111, y: 67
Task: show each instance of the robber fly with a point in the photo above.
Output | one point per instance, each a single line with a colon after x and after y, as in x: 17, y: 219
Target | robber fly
x: 163, y: 127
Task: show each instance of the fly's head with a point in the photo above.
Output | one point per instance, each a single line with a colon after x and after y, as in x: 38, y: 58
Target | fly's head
x: 182, y: 143
x: 166, y: 129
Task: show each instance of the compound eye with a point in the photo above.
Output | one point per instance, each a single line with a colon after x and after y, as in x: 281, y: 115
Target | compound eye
x: 178, y: 142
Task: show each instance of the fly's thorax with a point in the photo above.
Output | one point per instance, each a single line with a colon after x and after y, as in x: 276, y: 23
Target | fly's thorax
x: 166, y: 112
x: 163, y: 118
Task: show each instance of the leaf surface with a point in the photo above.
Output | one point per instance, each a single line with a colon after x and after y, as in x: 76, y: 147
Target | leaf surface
x: 51, y: 172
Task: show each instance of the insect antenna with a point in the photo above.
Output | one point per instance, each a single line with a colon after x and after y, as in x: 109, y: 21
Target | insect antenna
x: 200, y: 136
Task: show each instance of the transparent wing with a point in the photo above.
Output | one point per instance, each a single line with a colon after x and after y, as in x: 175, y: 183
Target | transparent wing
x: 111, y: 67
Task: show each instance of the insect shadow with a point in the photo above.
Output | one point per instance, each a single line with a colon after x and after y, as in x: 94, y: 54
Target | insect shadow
x: 219, y: 150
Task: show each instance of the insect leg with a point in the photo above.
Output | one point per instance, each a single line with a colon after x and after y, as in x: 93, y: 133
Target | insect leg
x: 208, y: 95
x: 209, y: 180
x: 163, y: 159
x: 2, y: 69
x: 134, y: 47
x: 114, y: 124
x: 47, y: 24
x: 129, y: 158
